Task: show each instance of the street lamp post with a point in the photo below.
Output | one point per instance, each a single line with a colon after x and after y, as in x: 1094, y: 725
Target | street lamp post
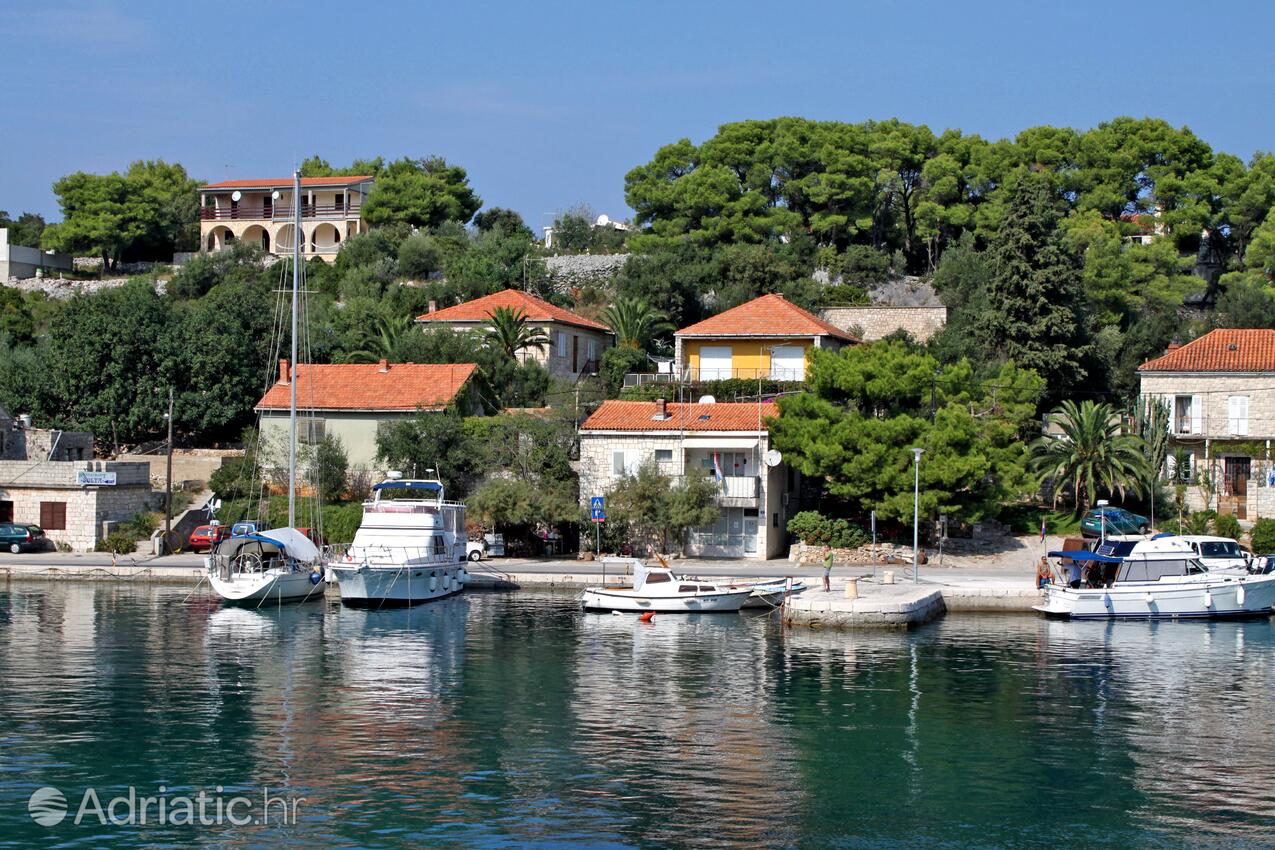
x: 916, y: 511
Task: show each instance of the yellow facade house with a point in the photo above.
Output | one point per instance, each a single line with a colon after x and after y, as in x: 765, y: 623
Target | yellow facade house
x: 768, y: 337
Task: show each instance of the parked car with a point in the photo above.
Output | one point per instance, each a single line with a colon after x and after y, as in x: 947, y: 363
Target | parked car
x: 244, y: 527
x: 1117, y: 521
x: 1218, y: 553
x: 21, y: 537
x: 475, y: 549
x: 205, y: 537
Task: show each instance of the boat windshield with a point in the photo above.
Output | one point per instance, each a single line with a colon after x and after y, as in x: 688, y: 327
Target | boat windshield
x: 1223, y: 549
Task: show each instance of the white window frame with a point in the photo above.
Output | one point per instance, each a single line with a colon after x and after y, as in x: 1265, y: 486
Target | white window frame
x: 668, y: 458
x: 560, y: 346
x: 716, y: 371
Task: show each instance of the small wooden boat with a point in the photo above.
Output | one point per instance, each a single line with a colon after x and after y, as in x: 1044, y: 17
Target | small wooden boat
x: 660, y: 590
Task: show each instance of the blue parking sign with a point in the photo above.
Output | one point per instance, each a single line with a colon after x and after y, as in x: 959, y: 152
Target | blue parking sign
x: 597, y: 509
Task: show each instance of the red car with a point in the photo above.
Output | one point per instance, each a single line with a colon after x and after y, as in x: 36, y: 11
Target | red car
x: 205, y: 537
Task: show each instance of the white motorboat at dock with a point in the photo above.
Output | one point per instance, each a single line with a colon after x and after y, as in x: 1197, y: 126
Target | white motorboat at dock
x: 411, y: 547
x: 658, y: 589
x: 1161, y: 578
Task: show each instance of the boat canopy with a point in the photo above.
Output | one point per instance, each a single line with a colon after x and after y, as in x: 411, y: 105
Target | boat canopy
x: 1085, y: 555
x: 409, y: 485
x: 291, y: 542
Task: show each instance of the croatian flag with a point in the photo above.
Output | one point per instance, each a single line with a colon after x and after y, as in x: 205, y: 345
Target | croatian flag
x: 1042, y: 531
x: 717, y: 468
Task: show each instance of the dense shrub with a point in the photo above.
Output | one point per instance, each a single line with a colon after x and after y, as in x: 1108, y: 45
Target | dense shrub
x: 119, y: 542
x: 815, y: 529
x: 1227, y: 525
x: 1262, y: 537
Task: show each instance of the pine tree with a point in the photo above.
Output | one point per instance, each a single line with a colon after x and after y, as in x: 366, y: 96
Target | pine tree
x: 1035, y: 295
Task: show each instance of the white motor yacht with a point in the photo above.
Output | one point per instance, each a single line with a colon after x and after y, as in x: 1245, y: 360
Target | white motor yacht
x: 660, y: 590
x: 279, y: 565
x: 410, y: 548
x: 1161, y: 578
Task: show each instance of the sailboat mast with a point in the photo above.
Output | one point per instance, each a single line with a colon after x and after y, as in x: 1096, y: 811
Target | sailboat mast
x: 292, y: 407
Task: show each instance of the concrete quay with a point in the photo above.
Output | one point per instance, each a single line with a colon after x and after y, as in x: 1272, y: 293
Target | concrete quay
x: 876, y: 606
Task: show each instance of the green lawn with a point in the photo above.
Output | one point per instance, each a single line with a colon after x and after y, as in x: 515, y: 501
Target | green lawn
x: 1025, y: 519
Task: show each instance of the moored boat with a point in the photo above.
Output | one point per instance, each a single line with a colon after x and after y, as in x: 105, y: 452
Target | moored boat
x: 279, y: 565
x: 411, y: 547
x: 1158, y: 579
x: 661, y: 591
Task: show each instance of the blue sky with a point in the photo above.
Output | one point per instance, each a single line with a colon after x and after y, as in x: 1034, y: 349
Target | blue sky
x: 549, y: 104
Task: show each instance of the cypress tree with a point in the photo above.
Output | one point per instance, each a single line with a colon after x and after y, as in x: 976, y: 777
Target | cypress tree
x: 1034, y: 314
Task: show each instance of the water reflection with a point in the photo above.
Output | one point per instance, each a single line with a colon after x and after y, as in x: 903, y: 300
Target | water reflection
x: 498, y: 720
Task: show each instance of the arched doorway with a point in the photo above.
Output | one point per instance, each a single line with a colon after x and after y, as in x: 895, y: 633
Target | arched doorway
x: 283, y: 239
x: 325, y: 238
x: 257, y: 235
x: 219, y: 237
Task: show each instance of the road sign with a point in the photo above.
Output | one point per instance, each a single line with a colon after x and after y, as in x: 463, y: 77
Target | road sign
x: 597, y: 509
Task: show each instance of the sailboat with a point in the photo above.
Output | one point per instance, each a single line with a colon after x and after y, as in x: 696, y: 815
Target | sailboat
x: 278, y: 564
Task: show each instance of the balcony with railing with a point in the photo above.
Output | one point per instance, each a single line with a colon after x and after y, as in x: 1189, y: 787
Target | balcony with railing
x: 278, y: 212
x: 696, y: 376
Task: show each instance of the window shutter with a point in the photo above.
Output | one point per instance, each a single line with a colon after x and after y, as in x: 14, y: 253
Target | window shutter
x: 1241, y: 415
x: 1197, y: 414
x: 617, y: 463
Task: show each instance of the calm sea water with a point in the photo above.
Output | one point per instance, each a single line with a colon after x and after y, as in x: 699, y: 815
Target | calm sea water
x: 517, y: 721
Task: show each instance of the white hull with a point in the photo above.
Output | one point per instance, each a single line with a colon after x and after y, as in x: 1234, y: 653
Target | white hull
x: 1217, y: 598
x: 623, y: 599
x: 272, y: 586
x: 373, y: 586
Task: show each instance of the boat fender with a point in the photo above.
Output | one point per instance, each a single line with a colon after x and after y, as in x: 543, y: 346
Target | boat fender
x: 1208, y: 598
x: 1148, y: 598
x: 1106, y: 599
x: 1239, y: 595
x: 316, y: 577
x: 647, y: 617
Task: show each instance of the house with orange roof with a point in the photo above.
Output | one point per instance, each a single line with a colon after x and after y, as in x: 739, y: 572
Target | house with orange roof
x: 261, y: 212
x: 768, y: 337
x: 575, y: 342
x: 725, y: 442
x: 352, y: 400
x: 1220, y: 391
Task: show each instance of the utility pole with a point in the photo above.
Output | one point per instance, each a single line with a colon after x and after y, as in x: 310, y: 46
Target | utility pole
x: 168, y: 478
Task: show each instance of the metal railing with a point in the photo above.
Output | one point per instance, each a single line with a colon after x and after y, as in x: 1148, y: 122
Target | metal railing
x: 277, y: 212
x: 689, y: 375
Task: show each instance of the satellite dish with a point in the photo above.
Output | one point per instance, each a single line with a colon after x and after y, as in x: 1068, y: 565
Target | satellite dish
x: 707, y: 399
x: 773, y: 457
x: 276, y: 195
x: 236, y: 196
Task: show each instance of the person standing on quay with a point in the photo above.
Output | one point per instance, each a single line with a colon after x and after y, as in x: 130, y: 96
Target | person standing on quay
x: 827, y: 568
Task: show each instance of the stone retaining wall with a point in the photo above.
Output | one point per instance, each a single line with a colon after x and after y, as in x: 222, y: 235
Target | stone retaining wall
x: 877, y: 322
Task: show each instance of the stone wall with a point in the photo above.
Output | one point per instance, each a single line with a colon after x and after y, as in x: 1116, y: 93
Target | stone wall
x: 28, y: 484
x: 573, y: 270
x: 1213, y: 391
x: 62, y: 289
x: 877, y: 322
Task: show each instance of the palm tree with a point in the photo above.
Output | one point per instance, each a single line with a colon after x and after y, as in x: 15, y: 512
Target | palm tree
x: 1093, y: 454
x: 384, y: 343
x: 510, y: 332
x: 635, y: 321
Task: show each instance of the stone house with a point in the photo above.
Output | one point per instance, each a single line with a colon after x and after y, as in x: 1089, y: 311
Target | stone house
x: 768, y: 337
x: 726, y: 442
x: 351, y: 400
x: 261, y: 212
x: 575, y: 343
x: 48, y: 477
x: 1220, y: 390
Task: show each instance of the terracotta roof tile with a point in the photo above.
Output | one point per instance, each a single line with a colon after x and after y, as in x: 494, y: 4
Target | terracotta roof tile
x: 769, y: 315
x: 533, y: 308
x: 285, y: 183
x: 636, y: 416
x: 1222, y: 350
x: 363, y: 386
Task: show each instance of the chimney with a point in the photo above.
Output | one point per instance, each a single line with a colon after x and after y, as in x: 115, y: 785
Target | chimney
x: 285, y: 374
x: 384, y: 366
x: 1173, y: 346
x: 433, y: 306
x: 664, y: 408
